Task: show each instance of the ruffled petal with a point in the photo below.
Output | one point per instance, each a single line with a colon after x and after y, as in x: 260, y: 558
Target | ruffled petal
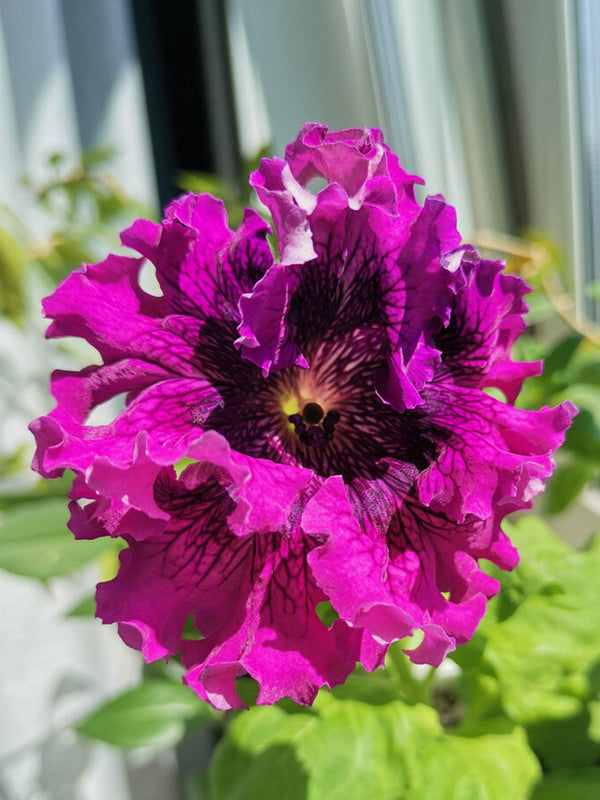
x: 119, y: 499
x: 289, y: 205
x: 357, y: 160
x: 264, y: 337
x: 422, y: 574
x: 494, y: 453
x: 252, y: 599
x: 486, y: 319
x: 172, y: 412
x: 201, y: 265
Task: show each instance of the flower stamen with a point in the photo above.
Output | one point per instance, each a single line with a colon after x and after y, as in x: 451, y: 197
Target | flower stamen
x: 309, y: 428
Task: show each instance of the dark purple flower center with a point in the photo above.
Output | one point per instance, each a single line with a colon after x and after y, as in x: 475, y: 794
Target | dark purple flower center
x: 329, y: 417
x: 307, y: 427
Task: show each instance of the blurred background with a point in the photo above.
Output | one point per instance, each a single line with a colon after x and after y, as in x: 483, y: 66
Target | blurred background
x: 109, y: 108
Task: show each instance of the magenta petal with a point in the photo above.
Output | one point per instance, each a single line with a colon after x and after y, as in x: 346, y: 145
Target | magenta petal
x: 257, y: 510
x: 123, y: 497
x: 289, y: 204
x: 144, y: 237
x: 202, y: 266
x: 350, y: 559
x: 421, y: 289
x: 104, y: 305
x: 252, y: 598
x: 264, y: 335
x: 357, y: 160
x: 486, y: 319
x: 395, y: 582
x: 216, y: 684
x: 172, y: 412
x: 494, y: 453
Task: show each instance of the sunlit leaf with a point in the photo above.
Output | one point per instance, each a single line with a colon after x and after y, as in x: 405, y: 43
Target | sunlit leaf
x: 351, y: 750
x: 152, y: 714
x: 541, y: 647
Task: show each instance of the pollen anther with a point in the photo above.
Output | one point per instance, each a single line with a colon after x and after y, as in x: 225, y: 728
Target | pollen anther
x: 313, y: 433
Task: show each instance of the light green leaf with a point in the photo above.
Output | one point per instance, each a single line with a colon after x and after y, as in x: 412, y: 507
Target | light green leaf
x: 536, y: 656
x: 349, y: 750
x: 540, y: 308
x: 540, y: 649
x: 490, y: 767
x: 565, y: 743
x: 35, y: 541
x: 152, y: 714
x: 95, y: 156
x: 42, y: 490
x: 540, y: 552
x: 561, y: 354
x: 543, y: 651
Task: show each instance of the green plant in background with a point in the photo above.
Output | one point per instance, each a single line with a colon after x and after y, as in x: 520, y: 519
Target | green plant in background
x: 516, y: 714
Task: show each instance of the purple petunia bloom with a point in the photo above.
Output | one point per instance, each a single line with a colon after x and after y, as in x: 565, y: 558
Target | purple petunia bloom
x: 298, y: 431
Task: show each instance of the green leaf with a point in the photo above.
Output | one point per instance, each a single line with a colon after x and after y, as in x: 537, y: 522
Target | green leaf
x: 576, y: 784
x: 375, y: 688
x: 489, y: 767
x: 349, y: 750
x: 94, y: 156
x: 542, y: 652
x: 152, y: 714
x: 536, y: 657
x: 540, y: 308
x: 565, y: 742
x: 35, y: 541
x: 540, y: 553
x: 85, y: 608
x: 567, y: 483
x: 558, y: 360
x: 541, y: 649
x: 583, y: 437
x: 42, y: 490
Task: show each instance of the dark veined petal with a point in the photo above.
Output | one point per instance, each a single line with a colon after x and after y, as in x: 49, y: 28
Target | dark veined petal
x: 252, y: 599
x: 201, y: 265
x: 486, y: 318
x: 494, y: 453
x: 396, y: 583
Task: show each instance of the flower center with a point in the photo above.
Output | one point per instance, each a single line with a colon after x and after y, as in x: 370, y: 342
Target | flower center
x: 312, y: 428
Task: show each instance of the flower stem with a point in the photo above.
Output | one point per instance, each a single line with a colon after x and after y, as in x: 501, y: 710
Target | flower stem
x: 414, y: 689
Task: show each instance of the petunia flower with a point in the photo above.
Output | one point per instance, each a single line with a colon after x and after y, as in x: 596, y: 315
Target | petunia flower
x: 307, y: 430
